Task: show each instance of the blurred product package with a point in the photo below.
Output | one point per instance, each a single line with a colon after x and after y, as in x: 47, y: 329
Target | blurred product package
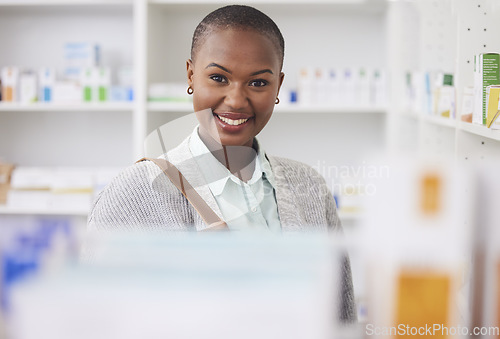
x: 10, y: 78
x: 56, y: 188
x: 353, y: 87
x: 486, y: 73
x: 28, y: 87
x: 5, y: 178
x: 46, y: 80
x: 169, y: 92
x: 95, y: 82
x: 417, y: 248
x: 493, y: 106
x: 78, y: 56
x: 485, y: 286
x: 221, y: 285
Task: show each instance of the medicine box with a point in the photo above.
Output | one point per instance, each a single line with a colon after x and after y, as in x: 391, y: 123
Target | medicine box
x: 27, y: 87
x: 9, y: 83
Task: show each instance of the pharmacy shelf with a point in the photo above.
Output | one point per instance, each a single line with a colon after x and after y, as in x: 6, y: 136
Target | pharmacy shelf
x: 330, y: 109
x: 412, y: 115
x: 440, y: 121
x: 52, y: 107
x: 5, y: 210
x: 63, y: 2
x: 175, y: 107
x: 479, y: 130
x: 367, y: 5
x: 171, y: 107
x: 349, y: 216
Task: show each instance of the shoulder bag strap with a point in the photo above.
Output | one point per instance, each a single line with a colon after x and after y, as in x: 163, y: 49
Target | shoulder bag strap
x: 207, y: 214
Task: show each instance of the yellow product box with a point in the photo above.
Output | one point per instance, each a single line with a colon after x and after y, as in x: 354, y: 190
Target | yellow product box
x: 5, y: 175
x: 493, y: 106
x: 423, y: 299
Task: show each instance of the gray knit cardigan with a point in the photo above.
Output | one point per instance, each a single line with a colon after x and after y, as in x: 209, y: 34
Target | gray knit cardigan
x: 142, y: 197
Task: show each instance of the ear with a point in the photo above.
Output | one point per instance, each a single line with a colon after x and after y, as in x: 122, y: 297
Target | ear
x: 190, y: 71
x: 282, y: 77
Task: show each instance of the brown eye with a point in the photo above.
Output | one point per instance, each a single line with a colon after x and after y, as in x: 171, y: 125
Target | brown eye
x: 218, y: 78
x: 258, y: 83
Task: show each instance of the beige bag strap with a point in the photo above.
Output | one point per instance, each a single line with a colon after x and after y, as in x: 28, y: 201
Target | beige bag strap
x: 207, y: 214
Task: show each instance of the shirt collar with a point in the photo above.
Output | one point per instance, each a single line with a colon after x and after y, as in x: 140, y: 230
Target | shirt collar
x: 217, y: 175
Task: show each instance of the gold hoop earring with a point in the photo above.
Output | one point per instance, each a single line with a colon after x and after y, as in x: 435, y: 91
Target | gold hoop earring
x: 190, y: 90
x: 277, y: 100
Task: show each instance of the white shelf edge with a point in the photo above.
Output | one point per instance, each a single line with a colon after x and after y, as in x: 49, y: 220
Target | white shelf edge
x: 51, y: 107
x: 188, y: 108
x: 5, y: 210
x: 440, y: 121
x: 330, y: 109
x: 479, y: 130
x: 252, y: 2
x: 349, y: 216
x: 64, y: 2
x: 431, y: 119
x: 177, y: 107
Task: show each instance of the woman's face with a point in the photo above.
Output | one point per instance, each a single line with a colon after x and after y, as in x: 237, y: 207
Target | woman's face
x: 237, y: 74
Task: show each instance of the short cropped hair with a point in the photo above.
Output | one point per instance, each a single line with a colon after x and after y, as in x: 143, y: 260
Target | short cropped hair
x: 238, y: 17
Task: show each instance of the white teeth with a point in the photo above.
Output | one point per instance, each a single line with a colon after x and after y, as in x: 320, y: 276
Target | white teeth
x: 231, y: 121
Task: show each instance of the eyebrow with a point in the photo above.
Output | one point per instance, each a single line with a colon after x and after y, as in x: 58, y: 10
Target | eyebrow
x: 213, y: 64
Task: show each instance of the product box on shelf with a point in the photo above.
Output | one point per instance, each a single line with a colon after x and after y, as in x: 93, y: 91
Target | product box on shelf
x: 417, y: 259
x: 486, y: 73
x: 378, y: 95
x: 27, y: 87
x: 5, y: 176
x: 67, y: 92
x: 362, y: 87
x: 10, y: 78
x: 444, y: 97
x: 493, y: 106
x: 46, y: 80
x: 467, y: 104
x: 168, y: 92
x: 80, y: 55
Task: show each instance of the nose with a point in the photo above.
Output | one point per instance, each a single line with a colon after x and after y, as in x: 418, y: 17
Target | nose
x: 236, y: 97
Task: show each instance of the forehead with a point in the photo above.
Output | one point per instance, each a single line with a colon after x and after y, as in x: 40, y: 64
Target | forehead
x: 240, y: 47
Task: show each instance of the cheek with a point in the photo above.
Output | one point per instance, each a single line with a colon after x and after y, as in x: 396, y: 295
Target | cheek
x: 265, y: 102
x: 205, y: 97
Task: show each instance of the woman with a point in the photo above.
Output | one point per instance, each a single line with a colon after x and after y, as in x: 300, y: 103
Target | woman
x: 234, y: 75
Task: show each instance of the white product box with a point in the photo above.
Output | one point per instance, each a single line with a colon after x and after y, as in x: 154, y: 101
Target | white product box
x: 10, y: 83
x: 46, y: 80
x: 67, y: 92
x: 27, y: 87
x: 79, y: 55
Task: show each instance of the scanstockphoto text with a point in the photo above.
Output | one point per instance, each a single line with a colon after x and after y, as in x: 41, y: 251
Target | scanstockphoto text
x: 429, y: 330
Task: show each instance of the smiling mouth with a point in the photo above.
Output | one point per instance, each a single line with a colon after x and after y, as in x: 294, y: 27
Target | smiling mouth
x: 232, y: 122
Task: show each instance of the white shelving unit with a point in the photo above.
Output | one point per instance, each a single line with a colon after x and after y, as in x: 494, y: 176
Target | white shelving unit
x: 49, y: 107
x: 179, y: 107
x: 154, y: 37
x: 446, y: 35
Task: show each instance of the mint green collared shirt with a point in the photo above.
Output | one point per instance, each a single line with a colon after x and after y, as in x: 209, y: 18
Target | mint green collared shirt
x: 247, y: 205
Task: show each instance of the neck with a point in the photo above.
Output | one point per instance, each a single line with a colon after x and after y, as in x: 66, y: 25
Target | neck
x: 239, y: 160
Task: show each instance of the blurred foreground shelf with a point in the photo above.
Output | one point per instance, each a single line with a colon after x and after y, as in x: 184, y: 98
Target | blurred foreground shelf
x: 4, y: 210
x: 55, y: 107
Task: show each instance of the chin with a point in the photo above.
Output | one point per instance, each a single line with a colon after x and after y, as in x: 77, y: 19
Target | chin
x: 236, y: 142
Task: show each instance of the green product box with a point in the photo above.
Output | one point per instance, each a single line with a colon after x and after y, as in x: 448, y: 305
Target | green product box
x: 491, y: 76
